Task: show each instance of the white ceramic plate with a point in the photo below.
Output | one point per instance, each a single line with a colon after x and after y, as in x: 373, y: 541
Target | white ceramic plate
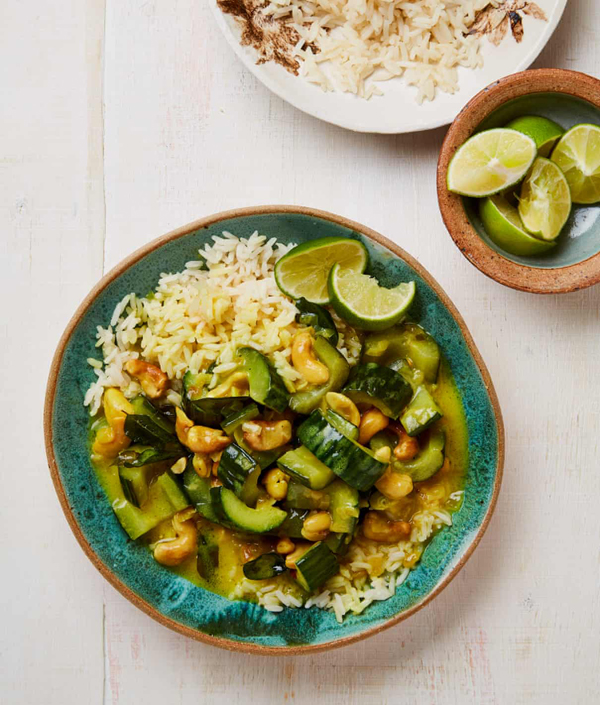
x: 397, y: 110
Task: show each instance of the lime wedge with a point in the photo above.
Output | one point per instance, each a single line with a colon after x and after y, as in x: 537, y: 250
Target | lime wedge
x: 544, y: 132
x: 305, y: 269
x: 490, y: 161
x: 502, y: 223
x: 545, y: 200
x: 359, y: 299
x: 578, y: 155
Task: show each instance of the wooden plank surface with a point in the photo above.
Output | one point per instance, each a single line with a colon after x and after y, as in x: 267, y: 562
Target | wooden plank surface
x: 122, y: 122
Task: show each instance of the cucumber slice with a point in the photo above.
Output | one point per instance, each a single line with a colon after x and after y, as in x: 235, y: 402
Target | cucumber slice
x: 350, y: 461
x: 338, y: 543
x: 316, y: 566
x: 265, y: 458
x: 407, y: 342
x: 269, y: 565
x: 319, y: 318
x: 266, y: 386
x: 142, y: 406
x: 336, y: 363
x: 238, y: 515
x: 210, y: 411
x: 343, y: 507
x: 308, y: 469
x: 198, y: 490
x: 137, y: 458
x: 148, y: 426
x: 239, y: 472
x: 380, y: 386
x: 233, y: 421
x: 420, y: 413
x: 343, y: 425
x: 302, y: 497
x: 293, y: 523
x: 427, y: 461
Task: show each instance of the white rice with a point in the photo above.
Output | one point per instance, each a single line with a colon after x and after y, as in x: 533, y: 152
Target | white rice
x: 202, y: 315
x: 360, y: 43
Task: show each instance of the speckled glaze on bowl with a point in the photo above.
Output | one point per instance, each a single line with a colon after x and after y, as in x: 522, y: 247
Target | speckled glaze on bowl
x: 569, y: 98
x: 172, y: 600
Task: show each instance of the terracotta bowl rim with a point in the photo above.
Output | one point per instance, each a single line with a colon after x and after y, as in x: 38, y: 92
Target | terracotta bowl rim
x: 143, y: 605
x: 535, y: 280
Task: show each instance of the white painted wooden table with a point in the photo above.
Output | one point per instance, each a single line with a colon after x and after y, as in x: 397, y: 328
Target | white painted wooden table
x: 120, y: 120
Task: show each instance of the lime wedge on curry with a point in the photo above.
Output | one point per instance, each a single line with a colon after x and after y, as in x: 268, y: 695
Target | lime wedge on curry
x: 578, y: 155
x: 502, y: 223
x: 490, y: 161
x: 304, y: 270
x: 544, y: 132
x: 545, y: 200
x: 360, y: 300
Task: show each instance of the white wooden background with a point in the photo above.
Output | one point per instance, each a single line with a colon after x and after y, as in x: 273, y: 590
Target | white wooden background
x: 122, y: 119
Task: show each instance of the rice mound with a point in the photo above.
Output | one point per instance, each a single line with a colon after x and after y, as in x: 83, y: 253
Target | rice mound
x: 201, y: 316
x: 345, y: 42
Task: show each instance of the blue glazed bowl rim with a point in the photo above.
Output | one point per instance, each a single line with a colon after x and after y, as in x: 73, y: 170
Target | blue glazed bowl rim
x: 136, y: 256
x: 555, y: 280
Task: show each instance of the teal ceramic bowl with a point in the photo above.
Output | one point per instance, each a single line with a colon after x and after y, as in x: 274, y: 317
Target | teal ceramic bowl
x: 569, y: 98
x: 174, y: 601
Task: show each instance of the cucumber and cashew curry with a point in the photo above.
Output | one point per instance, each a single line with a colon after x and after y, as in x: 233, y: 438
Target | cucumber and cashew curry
x: 247, y: 480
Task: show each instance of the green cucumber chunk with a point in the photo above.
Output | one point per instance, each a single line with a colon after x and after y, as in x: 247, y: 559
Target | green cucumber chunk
x: 420, y: 413
x: 316, y: 566
x: 269, y: 565
x: 306, y: 468
x: 428, y: 460
x: 239, y: 472
x: 306, y: 401
x: 293, y: 523
x: 407, y: 342
x: 343, y: 425
x: 211, y: 411
x: 343, y: 507
x: 236, y: 419
x: 238, y: 515
x: 349, y: 460
x: 198, y: 490
x: 380, y: 386
x: 301, y: 497
x: 266, y: 386
x: 138, y: 457
x: 163, y: 498
x: 319, y: 318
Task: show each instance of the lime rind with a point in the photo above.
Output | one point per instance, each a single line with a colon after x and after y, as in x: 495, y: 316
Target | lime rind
x: 545, y: 200
x: 304, y: 270
x: 578, y: 155
x: 543, y: 131
x: 361, y: 301
x: 504, y: 227
x: 489, y: 162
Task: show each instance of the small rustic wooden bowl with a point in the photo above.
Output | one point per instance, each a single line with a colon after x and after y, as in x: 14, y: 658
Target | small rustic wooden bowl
x: 172, y: 600
x: 569, y: 98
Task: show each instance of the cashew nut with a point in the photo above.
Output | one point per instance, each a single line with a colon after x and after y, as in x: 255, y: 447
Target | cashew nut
x: 276, y: 484
x: 394, y: 485
x: 266, y: 435
x: 201, y: 465
x: 344, y: 406
x: 305, y: 362
x: 111, y: 440
x: 371, y: 423
x: 172, y: 552
x: 407, y: 446
x: 285, y: 546
x: 236, y: 385
x: 153, y: 380
x: 199, y: 439
x: 378, y: 527
x: 316, y: 526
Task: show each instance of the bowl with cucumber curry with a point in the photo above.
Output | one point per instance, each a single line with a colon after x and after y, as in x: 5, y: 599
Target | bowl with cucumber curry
x: 272, y: 431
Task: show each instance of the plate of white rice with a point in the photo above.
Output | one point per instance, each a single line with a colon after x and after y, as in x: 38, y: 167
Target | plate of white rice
x: 385, y: 66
